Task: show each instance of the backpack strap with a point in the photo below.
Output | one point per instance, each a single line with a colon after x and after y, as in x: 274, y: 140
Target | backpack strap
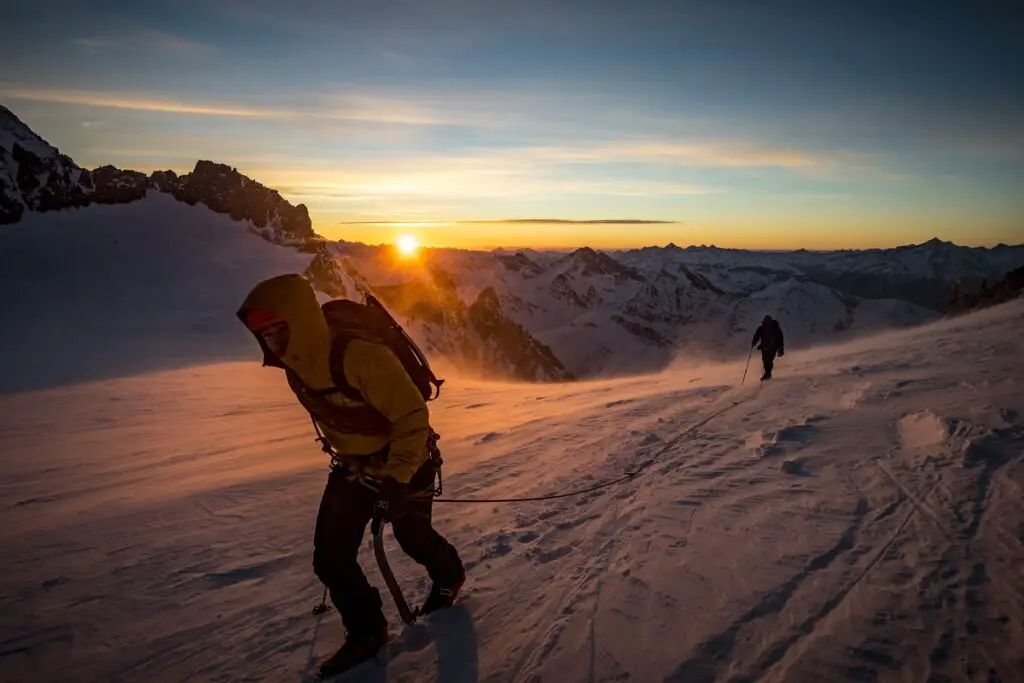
x: 336, y: 365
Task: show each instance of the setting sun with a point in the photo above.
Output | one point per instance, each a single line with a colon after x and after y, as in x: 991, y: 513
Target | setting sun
x: 407, y: 245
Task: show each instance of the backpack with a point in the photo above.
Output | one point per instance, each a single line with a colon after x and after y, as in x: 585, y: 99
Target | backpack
x: 348, y: 320
x: 370, y: 321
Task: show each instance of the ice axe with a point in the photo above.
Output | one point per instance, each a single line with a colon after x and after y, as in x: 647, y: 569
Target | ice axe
x: 747, y: 366
x: 321, y: 607
x: 377, y: 527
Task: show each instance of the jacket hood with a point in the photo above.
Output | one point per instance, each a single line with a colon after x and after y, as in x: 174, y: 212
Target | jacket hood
x: 292, y: 297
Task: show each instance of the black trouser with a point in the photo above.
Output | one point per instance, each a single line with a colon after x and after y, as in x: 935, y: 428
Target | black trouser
x: 768, y: 358
x: 345, y: 510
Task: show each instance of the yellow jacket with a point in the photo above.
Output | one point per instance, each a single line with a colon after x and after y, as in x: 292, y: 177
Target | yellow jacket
x: 371, y: 368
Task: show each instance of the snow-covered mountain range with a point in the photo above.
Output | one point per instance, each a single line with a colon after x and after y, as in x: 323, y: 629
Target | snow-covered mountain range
x: 527, y: 315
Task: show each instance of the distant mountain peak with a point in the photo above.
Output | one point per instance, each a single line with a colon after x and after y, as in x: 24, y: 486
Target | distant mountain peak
x: 585, y: 253
x: 936, y: 244
x: 14, y: 131
x: 520, y: 262
x: 593, y: 262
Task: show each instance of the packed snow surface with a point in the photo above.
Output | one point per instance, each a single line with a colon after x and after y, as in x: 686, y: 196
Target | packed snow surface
x: 858, y: 518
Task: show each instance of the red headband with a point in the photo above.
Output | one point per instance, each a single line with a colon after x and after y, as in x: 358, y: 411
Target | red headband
x: 260, y: 318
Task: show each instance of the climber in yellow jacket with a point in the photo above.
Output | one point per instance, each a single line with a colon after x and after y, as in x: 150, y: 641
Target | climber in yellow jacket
x: 378, y: 432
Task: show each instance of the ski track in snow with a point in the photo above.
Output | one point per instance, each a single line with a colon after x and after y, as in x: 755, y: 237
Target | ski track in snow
x: 158, y: 528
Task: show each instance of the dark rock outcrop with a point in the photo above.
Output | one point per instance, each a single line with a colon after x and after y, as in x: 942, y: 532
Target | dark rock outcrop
x: 115, y: 186
x: 224, y: 190
x: 509, y: 344
x: 166, y: 181
x: 325, y: 273
x: 967, y: 296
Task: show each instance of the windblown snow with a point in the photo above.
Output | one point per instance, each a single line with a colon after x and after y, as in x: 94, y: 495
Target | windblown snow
x: 858, y: 518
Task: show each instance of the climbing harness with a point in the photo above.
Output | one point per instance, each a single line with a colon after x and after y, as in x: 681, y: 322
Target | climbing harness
x: 433, y: 456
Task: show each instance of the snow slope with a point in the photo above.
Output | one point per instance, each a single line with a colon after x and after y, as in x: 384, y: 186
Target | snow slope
x: 158, y: 527
x: 113, y: 290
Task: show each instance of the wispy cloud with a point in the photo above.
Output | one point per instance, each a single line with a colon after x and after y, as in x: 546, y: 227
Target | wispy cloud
x: 353, y: 109
x: 96, y: 43
x: 533, y: 160
x: 805, y: 196
x: 735, y: 155
x: 531, y: 221
x: 143, y: 39
x: 723, y: 154
x: 713, y: 154
x: 468, y: 182
x: 384, y: 110
x: 128, y: 101
x: 566, y: 221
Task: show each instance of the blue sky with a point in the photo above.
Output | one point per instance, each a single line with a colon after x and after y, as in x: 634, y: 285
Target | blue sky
x: 760, y: 124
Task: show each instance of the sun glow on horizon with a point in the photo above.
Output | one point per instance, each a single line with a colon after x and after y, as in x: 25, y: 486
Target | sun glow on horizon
x: 407, y: 245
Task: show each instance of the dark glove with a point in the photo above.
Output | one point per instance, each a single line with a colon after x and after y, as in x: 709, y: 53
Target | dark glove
x: 393, y: 501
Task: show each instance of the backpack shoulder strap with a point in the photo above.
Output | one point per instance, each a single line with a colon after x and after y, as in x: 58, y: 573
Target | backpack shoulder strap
x: 337, y: 365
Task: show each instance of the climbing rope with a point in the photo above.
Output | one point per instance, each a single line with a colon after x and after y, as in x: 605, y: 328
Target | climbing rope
x: 410, y: 615
x: 606, y: 484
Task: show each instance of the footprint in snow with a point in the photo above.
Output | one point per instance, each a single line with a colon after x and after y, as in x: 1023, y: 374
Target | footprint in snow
x: 621, y: 402
x: 770, y: 443
x: 488, y: 437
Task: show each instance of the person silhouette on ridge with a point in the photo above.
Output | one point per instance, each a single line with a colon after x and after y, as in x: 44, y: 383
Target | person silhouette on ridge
x: 769, y: 333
